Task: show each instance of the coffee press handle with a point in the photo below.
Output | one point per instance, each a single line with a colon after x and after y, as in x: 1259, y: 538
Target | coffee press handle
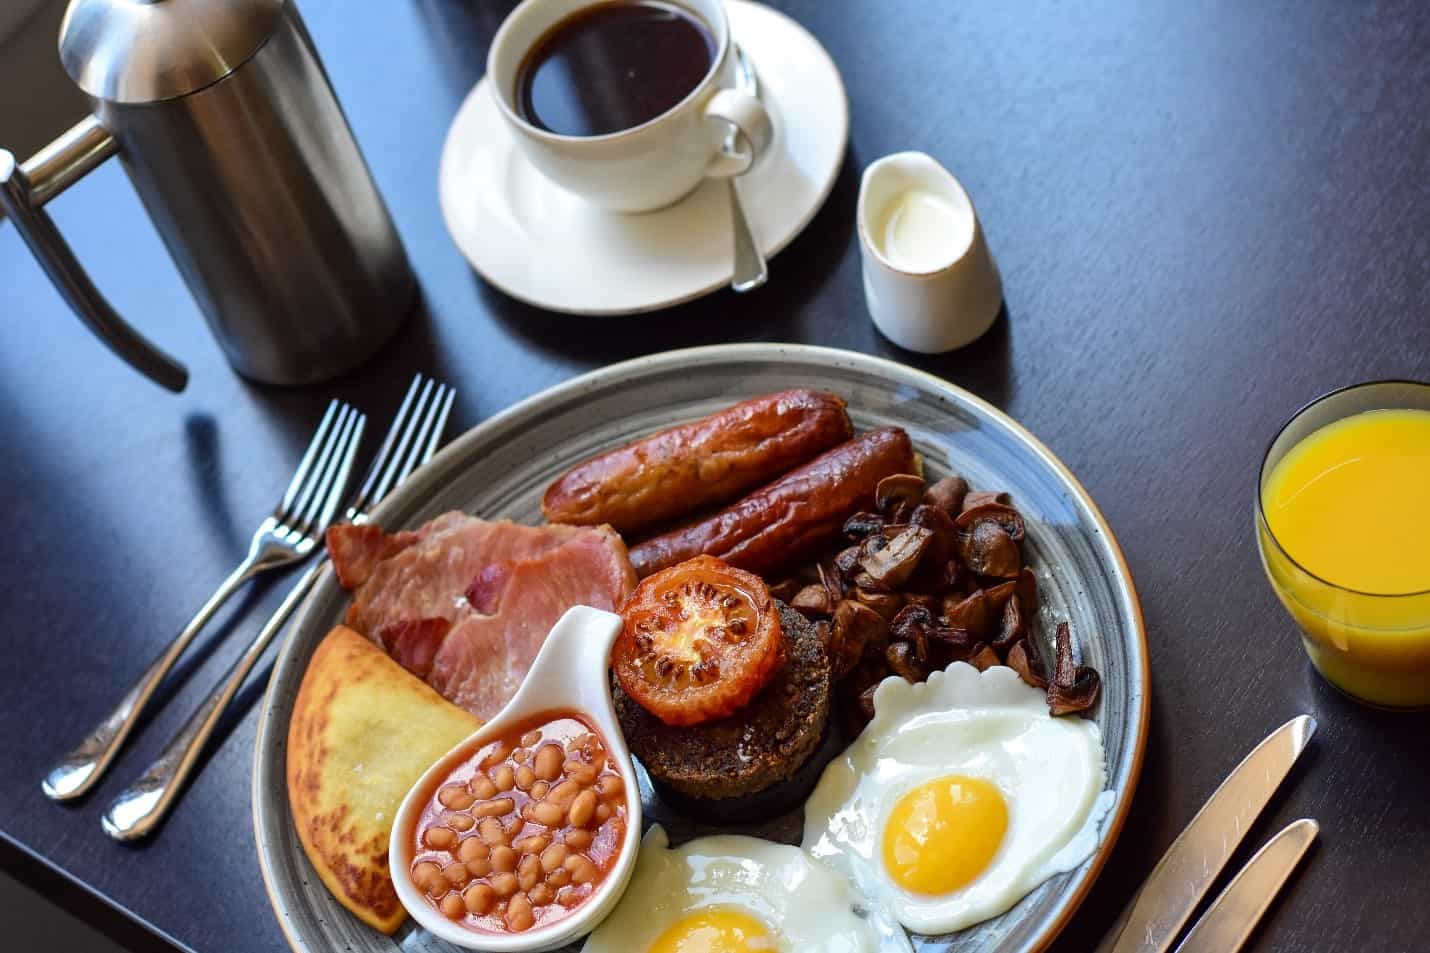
x: 23, y: 192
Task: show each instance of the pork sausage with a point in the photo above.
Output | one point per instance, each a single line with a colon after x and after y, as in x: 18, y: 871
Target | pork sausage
x: 701, y: 464
x: 792, y: 518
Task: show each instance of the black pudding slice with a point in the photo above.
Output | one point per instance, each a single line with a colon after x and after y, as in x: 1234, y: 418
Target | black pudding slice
x: 760, y: 761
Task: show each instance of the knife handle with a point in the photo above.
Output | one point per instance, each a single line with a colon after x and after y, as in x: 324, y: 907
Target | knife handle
x: 1156, y: 914
x: 1237, y: 910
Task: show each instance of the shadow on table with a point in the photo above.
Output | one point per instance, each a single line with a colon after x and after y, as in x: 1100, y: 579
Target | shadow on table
x: 460, y: 32
x: 776, y: 312
x: 789, y: 308
x: 376, y: 387
x: 983, y: 367
x: 1379, y: 737
x: 204, y: 455
x: 203, y: 452
x: 248, y: 696
x: 210, y: 639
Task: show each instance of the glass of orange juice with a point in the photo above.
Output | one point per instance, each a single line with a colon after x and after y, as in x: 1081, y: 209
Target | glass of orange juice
x: 1343, y: 524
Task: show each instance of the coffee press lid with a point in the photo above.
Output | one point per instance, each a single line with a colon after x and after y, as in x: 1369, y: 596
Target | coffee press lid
x: 139, y: 51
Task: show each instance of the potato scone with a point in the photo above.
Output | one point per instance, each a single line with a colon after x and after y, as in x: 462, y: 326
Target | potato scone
x: 363, y: 731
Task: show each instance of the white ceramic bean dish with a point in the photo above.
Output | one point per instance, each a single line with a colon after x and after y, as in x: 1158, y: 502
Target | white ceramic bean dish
x: 929, y: 279
x: 569, y: 675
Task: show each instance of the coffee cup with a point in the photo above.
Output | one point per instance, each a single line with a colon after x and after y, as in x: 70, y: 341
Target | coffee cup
x: 655, y: 161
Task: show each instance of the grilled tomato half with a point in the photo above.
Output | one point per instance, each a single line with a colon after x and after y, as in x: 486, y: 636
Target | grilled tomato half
x: 700, y: 639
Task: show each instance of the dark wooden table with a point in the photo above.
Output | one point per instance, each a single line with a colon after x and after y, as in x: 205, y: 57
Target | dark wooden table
x: 1206, y: 213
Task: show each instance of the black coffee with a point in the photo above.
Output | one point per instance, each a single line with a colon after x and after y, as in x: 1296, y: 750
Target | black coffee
x: 613, y: 66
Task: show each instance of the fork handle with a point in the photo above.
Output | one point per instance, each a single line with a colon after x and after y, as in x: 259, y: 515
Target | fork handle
x: 81, y: 769
x: 145, y: 803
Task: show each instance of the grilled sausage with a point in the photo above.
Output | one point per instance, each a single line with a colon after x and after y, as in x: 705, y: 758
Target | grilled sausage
x: 700, y: 464
x: 792, y: 518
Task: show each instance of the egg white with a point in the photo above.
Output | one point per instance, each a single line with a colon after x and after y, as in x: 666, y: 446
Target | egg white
x: 804, y: 905
x: 961, y: 721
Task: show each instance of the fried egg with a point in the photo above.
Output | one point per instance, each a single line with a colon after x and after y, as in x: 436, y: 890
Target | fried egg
x: 734, y: 894
x: 959, y: 797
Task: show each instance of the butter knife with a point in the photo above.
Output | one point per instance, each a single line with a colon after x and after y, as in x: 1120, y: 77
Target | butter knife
x: 1236, y: 912
x: 1156, y: 914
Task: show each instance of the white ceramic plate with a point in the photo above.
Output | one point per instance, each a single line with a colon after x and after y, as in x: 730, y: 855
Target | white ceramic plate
x: 501, y: 468
x: 547, y: 247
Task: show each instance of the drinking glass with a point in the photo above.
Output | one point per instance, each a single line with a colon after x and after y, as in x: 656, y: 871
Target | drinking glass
x: 1374, y: 647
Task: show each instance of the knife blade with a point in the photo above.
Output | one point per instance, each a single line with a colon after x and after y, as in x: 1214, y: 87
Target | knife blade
x: 1238, y: 909
x: 1158, y: 911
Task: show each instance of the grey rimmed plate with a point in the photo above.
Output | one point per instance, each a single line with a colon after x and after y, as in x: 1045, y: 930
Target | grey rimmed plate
x: 502, y: 467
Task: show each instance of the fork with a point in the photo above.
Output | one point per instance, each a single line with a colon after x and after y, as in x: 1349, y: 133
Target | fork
x: 414, y: 436
x: 289, y: 534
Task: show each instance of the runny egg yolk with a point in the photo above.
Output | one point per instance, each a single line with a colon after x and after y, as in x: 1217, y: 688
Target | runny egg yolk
x: 941, y: 835
x: 715, y: 930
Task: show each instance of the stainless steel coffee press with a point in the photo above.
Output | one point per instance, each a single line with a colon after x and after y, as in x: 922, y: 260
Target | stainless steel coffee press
x: 223, y: 117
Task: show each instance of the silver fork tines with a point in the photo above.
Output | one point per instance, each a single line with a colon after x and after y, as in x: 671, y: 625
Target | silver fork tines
x: 286, y: 536
x: 414, y: 436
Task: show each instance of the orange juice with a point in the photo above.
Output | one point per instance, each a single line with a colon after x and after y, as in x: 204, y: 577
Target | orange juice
x: 1347, y: 510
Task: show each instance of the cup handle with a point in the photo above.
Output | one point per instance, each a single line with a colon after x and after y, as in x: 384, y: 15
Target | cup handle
x: 753, y: 132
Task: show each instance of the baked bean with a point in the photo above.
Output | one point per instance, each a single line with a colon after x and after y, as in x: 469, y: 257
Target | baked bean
x: 580, y: 772
x: 583, y: 808
x: 586, y: 873
x: 497, y: 808
x: 563, y: 794
x: 473, y: 848
x: 548, y: 813
x: 497, y: 755
x: 452, y: 907
x: 522, y: 852
x: 581, y: 868
x: 491, y: 831
x: 548, y: 762
x: 610, y: 786
x: 428, y: 877
x: 456, y: 874
x: 479, y: 899
x: 552, y: 857
x: 582, y: 742
x: 455, y: 797
x: 440, y: 838
x: 533, y: 844
x: 528, y: 872
x: 458, y: 822
x: 518, y: 914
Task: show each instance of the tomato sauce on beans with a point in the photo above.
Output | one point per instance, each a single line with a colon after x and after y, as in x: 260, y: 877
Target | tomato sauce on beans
x: 523, y: 831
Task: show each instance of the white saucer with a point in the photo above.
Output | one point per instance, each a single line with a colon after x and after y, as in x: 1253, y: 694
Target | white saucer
x: 547, y: 247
